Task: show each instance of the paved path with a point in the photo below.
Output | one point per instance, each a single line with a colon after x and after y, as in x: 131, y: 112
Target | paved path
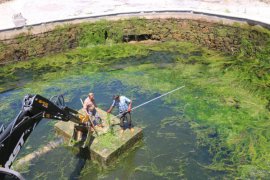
x: 37, y: 11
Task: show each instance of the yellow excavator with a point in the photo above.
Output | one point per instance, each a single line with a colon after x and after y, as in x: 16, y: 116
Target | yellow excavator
x: 34, y: 109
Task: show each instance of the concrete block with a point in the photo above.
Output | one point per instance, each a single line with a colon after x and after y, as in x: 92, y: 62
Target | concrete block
x: 110, y: 143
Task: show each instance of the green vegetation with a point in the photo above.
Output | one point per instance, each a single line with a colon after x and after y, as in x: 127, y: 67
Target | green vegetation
x: 230, y: 39
x: 44, y: 75
x: 108, y: 141
x: 226, y: 100
x: 225, y: 104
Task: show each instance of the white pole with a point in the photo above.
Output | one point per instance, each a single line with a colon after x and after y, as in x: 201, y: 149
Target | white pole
x: 157, y: 98
x: 152, y: 100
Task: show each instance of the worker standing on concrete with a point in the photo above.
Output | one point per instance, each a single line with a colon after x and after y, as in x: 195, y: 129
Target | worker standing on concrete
x: 89, y: 106
x: 92, y: 119
x: 124, y: 107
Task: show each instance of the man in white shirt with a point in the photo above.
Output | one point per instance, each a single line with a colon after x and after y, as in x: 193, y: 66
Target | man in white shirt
x: 124, y: 107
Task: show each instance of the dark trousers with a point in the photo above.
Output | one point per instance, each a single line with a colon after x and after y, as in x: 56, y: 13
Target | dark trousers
x: 126, y: 116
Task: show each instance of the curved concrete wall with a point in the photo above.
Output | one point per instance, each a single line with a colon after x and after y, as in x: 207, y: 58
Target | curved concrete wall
x: 217, y: 33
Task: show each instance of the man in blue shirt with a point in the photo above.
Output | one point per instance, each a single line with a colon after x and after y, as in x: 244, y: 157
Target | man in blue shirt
x: 124, y: 107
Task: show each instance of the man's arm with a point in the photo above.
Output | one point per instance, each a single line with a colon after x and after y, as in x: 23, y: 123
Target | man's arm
x: 129, y: 102
x: 85, y: 104
x: 130, y: 106
x: 94, y: 102
x: 111, y: 107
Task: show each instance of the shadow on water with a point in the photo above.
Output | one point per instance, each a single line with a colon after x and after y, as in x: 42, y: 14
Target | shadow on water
x: 83, y: 155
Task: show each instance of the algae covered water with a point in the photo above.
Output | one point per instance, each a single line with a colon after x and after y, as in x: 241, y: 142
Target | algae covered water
x: 194, y: 133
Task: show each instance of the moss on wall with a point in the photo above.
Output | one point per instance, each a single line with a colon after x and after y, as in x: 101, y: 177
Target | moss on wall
x: 236, y: 39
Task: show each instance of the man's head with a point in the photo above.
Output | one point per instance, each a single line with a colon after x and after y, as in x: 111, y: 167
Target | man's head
x: 116, y: 97
x: 91, y: 96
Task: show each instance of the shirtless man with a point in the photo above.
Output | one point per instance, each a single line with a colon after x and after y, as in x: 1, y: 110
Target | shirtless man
x: 89, y: 106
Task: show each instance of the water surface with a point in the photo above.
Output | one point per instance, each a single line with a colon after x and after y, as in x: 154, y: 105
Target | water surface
x: 167, y: 151
x: 214, y: 127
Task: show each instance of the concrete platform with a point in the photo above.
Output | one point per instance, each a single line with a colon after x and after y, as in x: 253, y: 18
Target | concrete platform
x: 109, y: 144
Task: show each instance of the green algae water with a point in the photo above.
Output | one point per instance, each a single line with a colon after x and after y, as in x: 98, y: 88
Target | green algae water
x: 216, y: 127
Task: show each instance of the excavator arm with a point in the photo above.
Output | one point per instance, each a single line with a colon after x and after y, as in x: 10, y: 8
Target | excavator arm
x: 34, y: 109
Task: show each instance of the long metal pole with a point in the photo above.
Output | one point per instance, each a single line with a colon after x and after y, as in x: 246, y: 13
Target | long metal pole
x: 152, y: 100
x: 157, y: 98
